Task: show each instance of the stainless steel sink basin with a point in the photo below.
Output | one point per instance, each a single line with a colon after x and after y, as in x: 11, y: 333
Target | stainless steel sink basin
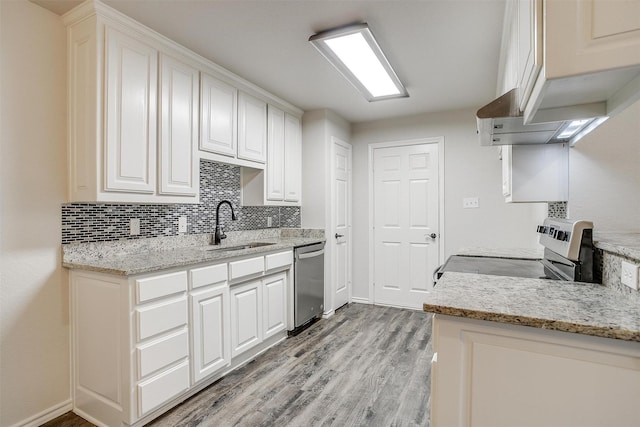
x: 237, y: 247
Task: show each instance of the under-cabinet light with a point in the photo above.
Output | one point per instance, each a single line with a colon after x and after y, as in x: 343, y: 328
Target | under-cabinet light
x: 355, y: 53
x: 573, y: 128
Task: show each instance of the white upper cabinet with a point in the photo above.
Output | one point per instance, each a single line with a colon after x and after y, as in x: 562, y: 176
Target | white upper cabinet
x: 178, y: 127
x: 143, y: 110
x: 292, y: 158
x: 529, y: 45
x: 130, y: 120
x: 219, y: 116
x: 252, y: 128
x: 133, y: 115
x: 535, y: 173
x: 280, y: 182
x: 571, y: 53
x: 275, y: 150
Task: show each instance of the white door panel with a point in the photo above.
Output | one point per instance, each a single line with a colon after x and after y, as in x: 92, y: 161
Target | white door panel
x: 405, y: 215
x: 130, y: 125
x: 342, y: 223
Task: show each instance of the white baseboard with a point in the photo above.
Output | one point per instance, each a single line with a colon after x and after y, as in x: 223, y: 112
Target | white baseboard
x: 46, y: 415
x: 328, y: 314
x: 358, y: 300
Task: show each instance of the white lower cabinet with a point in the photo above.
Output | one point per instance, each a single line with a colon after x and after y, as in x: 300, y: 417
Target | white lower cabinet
x: 274, y: 296
x: 142, y: 344
x: 246, y: 317
x: 491, y: 374
x: 210, y: 321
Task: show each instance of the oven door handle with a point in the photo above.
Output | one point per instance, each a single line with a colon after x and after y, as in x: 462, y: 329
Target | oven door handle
x: 311, y: 254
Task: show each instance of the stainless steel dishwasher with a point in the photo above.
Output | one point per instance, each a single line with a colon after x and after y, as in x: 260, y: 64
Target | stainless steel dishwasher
x: 308, y: 284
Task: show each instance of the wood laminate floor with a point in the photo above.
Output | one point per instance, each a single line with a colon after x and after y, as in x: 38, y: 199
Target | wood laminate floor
x: 364, y: 366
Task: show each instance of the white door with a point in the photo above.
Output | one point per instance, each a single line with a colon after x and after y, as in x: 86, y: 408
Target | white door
x: 178, y: 127
x: 341, y: 219
x: 219, y: 114
x: 252, y: 128
x: 274, y: 297
x: 210, y: 331
x: 275, y: 154
x: 405, y: 180
x: 292, y: 158
x: 131, y: 91
x: 246, y: 317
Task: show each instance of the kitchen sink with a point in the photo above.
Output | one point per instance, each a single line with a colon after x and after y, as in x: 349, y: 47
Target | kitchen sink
x: 237, y: 247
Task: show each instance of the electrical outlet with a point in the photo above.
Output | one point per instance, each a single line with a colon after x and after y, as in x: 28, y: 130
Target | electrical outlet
x: 470, y: 203
x: 269, y: 221
x: 134, y: 226
x: 629, y: 274
x: 182, y: 224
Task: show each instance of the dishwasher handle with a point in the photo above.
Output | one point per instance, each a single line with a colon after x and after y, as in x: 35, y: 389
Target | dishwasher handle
x: 310, y: 254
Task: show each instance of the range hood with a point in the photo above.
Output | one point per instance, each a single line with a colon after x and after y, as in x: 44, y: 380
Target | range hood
x: 502, y: 123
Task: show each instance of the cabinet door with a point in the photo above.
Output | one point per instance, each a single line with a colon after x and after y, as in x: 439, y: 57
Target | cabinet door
x: 219, y: 116
x: 275, y: 154
x: 178, y: 127
x: 292, y: 158
x: 274, y: 296
x: 246, y: 317
x: 252, y: 128
x: 211, y: 331
x: 130, y: 121
x: 529, y: 25
x: 539, y: 173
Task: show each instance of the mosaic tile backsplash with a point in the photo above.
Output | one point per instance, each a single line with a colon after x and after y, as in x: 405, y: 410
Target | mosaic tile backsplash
x: 557, y: 210
x: 101, y: 222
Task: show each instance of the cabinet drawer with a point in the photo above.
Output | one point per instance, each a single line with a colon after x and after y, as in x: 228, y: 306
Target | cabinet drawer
x: 246, y: 267
x: 161, y: 353
x: 279, y: 260
x: 162, y: 317
x: 208, y: 275
x: 160, y: 286
x: 159, y: 389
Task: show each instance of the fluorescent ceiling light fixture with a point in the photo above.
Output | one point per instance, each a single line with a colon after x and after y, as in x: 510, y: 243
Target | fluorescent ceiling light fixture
x: 355, y: 53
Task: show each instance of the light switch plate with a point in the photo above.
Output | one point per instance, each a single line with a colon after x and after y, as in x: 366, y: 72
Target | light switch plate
x: 470, y: 203
x: 134, y: 227
x: 629, y: 275
x: 182, y: 224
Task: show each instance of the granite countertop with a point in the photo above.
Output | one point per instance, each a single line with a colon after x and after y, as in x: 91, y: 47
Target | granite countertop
x: 625, y: 244
x: 582, y: 308
x: 144, y: 257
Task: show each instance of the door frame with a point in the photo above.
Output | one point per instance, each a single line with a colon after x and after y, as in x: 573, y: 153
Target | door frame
x: 401, y: 143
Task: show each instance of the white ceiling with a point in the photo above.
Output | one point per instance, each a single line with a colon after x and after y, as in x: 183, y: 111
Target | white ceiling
x: 444, y: 51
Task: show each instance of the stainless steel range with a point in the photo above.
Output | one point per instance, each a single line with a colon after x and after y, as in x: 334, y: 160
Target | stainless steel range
x: 568, y: 255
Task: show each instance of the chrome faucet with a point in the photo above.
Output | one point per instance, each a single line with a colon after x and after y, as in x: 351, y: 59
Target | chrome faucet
x: 219, y: 234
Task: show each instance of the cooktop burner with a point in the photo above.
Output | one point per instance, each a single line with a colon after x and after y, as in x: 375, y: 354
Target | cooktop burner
x: 516, y: 267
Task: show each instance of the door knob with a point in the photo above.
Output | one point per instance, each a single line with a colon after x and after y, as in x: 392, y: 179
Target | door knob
x: 432, y: 235
x: 339, y: 235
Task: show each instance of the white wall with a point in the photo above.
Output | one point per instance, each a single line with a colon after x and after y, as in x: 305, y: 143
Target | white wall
x: 318, y: 127
x: 604, y: 174
x: 34, y: 357
x: 469, y: 171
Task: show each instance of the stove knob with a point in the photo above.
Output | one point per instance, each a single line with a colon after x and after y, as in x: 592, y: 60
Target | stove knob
x: 567, y: 236
x: 560, y: 235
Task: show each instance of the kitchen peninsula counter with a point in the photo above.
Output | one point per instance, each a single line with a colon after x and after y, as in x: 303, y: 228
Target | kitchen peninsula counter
x: 129, y: 257
x: 582, y: 308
